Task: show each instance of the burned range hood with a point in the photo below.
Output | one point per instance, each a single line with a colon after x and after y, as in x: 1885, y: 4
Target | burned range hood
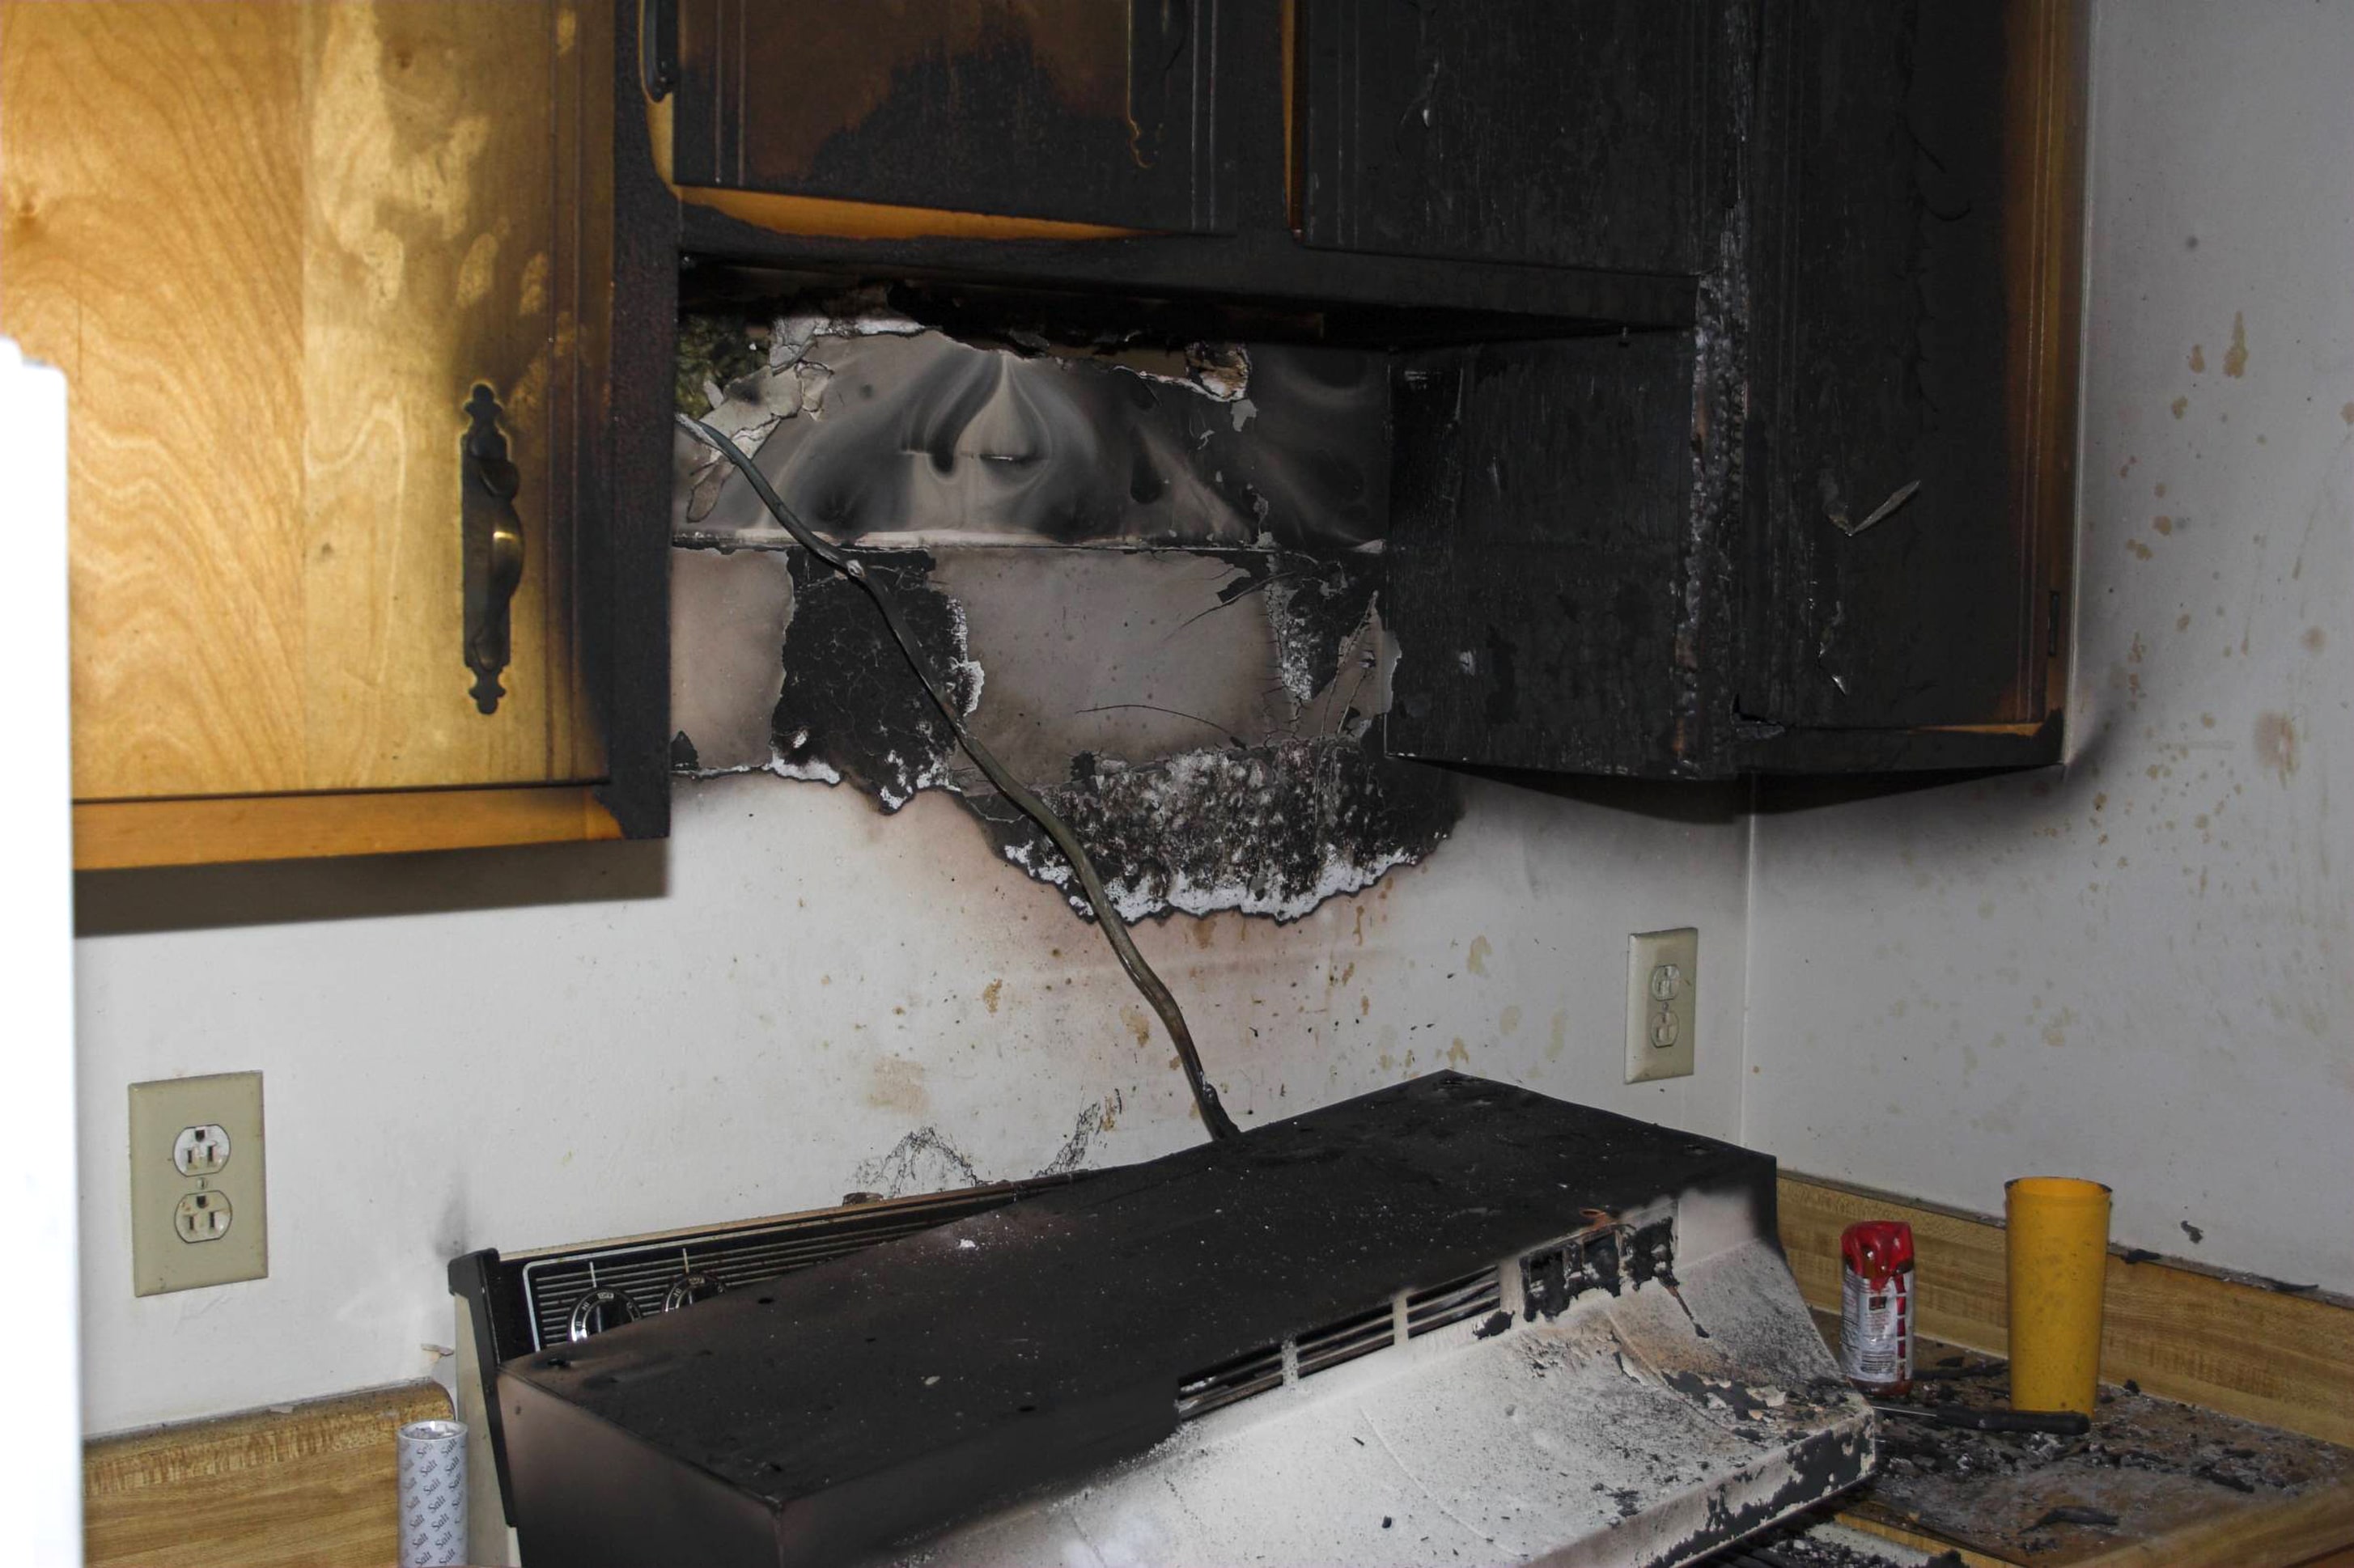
x: 1450, y: 1321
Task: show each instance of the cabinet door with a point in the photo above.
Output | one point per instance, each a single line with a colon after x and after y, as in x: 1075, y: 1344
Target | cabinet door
x: 275, y: 249
x: 1562, y: 132
x: 1541, y: 578
x: 1912, y: 352
x: 1079, y: 111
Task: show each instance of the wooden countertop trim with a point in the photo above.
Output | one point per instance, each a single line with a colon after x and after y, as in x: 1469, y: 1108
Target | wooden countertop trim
x: 2287, y: 1533
x: 305, y: 1484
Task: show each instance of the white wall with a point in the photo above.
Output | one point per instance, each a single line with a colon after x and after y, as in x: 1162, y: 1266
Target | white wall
x: 2137, y: 971
x: 521, y: 1047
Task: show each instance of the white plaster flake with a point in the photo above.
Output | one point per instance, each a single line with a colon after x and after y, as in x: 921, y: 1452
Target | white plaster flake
x: 1219, y: 372
x: 965, y: 663
x: 1294, y: 655
x: 813, y: 771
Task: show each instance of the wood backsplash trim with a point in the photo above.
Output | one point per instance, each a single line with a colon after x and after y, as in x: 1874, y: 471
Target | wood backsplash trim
x: 303, y: 1484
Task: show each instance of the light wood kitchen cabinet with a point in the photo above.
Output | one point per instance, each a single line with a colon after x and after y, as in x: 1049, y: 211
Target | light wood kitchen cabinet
x: 276, y: 249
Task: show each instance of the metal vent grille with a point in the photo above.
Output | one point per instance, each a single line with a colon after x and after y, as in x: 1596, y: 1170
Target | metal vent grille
x: 1253, y: 1373
x: 643, y: 1273
x: 1345, y: 1340
x: 1473, y: 1296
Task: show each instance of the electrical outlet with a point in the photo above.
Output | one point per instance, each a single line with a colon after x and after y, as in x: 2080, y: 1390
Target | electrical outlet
x: 202, y: 1216
x: 1662, y: 1003
x: 200, y: 1151
x: 198, y: 1192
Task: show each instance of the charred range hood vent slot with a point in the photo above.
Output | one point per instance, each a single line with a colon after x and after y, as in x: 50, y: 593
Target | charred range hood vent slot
x: 1337, y: 1342
x: 1255, y: 1373
x: 1608, y: 1257
x: 730, y: 1258
x: 1346, y: 1340
x: 1473, y: 1296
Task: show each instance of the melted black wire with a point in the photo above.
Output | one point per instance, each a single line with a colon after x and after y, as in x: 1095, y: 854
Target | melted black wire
x: 1115, y: 930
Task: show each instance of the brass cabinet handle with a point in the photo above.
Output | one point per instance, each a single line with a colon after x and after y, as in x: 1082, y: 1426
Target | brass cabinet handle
x: 492, y: 542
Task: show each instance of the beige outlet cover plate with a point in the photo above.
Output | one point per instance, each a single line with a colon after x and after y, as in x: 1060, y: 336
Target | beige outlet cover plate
x: 166, y: 1203
x: 1662, y: 1003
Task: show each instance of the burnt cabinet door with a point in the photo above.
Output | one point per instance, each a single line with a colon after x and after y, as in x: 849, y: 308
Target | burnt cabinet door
x: 1584, y: 134
x: 1086, y: 112
x: 1540, y: 565
x: 1911, y: 351
x: 1581, y: 582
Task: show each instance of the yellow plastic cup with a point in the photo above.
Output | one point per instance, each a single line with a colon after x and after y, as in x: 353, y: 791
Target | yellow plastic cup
x: 2059, y: 1256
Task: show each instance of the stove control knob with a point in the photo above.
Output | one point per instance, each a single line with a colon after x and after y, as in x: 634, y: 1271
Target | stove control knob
x: 689, y: 1288
x: 600, y: 1310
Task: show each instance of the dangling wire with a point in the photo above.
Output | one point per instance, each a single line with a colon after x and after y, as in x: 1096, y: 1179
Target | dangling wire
x: 1115, y: 930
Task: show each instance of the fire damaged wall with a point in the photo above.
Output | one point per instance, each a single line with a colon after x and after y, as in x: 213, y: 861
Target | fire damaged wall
x: 1151, y: 576
x: 801, y: 994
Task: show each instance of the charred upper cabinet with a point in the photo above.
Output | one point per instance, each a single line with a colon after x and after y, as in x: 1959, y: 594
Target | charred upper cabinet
x: 1912, y: 348
x: 1732, y: 343
x: 1094, y: 113
x: 1839, y: 541
x: 1554, y: 132
x: 1540, y: 556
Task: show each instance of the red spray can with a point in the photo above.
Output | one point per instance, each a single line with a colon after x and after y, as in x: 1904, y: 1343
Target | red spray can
x: 1876, y: 1306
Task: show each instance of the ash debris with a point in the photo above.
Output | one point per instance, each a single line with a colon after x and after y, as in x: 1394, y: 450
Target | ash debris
x: 1267, y: 830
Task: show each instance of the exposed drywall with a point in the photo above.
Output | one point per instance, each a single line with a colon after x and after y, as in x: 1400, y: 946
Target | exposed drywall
x: 1148, y: 575
x: 2137, y: 970
x: 795, y: 998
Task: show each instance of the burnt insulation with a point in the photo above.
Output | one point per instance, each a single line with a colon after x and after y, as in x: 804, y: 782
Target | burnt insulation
x: 1268, y: 830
